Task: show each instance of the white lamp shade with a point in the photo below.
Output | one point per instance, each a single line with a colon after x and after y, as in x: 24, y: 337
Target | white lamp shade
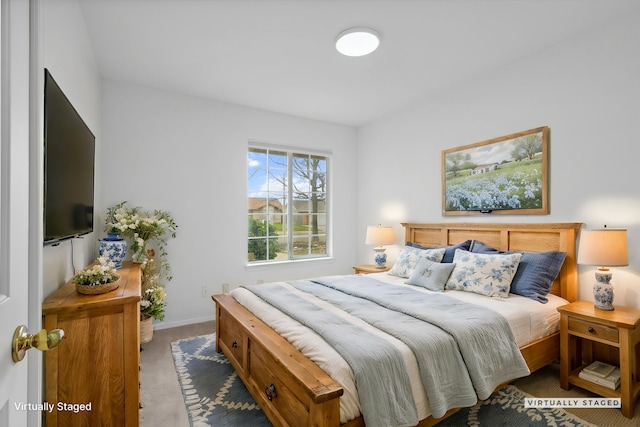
x: 379, y: 235
x: 605, y: 248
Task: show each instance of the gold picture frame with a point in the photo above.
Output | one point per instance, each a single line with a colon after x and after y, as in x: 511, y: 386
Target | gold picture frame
x: 506, y: 175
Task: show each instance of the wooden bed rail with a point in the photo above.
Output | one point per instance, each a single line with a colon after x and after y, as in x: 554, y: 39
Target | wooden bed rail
x: 290, y: 388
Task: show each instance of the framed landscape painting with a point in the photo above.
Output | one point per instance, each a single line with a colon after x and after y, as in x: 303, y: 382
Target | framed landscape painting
x: 505, y: 175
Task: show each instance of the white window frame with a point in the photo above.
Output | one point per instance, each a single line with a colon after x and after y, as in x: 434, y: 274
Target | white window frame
x: 291, y: 151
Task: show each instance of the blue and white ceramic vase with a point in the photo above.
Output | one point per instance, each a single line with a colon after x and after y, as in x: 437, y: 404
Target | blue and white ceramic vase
x: 603, y: 290
x: 114, y: 247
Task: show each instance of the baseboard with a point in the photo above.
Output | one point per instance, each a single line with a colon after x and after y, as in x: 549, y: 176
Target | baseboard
x: 167, y: 325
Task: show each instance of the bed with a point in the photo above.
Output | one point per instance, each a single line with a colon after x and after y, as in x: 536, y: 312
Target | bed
x: 293, y: 389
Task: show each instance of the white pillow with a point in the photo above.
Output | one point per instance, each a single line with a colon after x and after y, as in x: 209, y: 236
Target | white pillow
x: 408, y: 258
x: 485, y: 274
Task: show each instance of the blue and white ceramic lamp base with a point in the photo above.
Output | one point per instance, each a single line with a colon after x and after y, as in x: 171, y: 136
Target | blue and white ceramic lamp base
x: 603, y: 290
x: 380, y: 258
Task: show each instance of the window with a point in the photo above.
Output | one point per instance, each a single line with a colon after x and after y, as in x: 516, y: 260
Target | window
x: 287, y: 204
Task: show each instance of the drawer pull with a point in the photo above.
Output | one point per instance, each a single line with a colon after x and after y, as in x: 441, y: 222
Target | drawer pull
x: 591, y: 330
x: 234, y: 344
x: 271, y: 392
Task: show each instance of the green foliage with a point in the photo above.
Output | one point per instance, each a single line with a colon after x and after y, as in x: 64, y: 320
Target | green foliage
x: 153, y: 299
x: 456, y: 162
x: 526, y: 147
x: 258, y: 247
x: 153, y: 302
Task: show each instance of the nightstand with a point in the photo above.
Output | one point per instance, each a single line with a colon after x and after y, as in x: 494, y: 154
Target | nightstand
x: 588, y: 334
x: 369, y: 268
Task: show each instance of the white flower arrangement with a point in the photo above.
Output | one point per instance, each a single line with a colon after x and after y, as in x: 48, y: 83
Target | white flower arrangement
x: 98, y: 274
x: 142, y: 227
x: 153, y: 302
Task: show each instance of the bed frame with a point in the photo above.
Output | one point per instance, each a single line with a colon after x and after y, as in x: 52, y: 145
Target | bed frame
x: 292, y: 390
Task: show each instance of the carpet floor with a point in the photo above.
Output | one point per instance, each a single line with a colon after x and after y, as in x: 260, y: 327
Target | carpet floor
x: 163, y: 402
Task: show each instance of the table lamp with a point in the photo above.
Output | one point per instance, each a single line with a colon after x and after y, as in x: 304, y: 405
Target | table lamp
x: 603, y: 248
x: 379, y: 236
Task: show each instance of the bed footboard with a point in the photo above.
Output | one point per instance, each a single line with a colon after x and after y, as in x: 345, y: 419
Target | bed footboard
x: 291, y: 389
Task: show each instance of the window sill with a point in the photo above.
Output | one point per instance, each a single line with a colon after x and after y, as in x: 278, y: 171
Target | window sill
x: 269, y: 264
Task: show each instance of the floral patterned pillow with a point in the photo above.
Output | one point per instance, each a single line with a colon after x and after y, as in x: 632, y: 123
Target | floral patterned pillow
x: 409, y: 257
x: 485, y: 274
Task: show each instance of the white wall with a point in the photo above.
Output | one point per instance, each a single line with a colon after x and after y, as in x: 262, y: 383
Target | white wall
x: 68, y: 55
x: 585, y: 89
x: 189, y: 156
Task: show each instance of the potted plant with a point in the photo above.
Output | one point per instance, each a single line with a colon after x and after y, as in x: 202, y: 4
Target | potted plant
x: 152, y: 299
x: 153, y: 302
x: 98, y: 278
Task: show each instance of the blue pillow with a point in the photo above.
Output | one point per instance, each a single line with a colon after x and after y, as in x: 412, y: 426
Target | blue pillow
x: 536, y: 271
x: 480, y: 248
x: 449, y: 252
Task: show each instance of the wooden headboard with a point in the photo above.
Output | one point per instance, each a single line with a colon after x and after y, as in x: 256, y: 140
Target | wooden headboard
x: 510, y: 237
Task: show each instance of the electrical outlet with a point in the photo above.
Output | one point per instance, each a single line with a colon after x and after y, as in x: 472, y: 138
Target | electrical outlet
x: 203, y: 292
x: 225, y: 288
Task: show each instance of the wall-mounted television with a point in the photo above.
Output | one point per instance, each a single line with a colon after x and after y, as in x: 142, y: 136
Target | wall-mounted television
x: 69, y: 164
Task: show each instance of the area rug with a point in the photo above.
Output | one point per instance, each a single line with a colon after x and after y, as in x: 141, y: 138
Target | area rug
x: 506, y: 408
x: 214, y: 395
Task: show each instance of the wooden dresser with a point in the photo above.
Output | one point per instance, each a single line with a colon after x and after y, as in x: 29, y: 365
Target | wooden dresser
x: 97, y: 365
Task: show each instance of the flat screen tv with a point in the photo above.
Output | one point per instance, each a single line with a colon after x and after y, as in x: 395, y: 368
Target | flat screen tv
x: 69, y: 150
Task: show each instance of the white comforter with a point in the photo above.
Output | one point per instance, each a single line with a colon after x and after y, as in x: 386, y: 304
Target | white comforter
x: 529, y: 321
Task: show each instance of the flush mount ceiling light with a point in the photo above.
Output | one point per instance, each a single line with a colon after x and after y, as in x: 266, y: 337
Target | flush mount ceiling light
x: 357, y: 41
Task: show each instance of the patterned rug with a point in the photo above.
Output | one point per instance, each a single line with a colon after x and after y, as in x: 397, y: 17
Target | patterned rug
x: 215, y: 396
x: 213, y: 393
x: 506, y: 408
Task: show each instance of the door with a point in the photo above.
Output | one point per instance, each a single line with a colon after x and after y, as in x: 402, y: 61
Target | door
x: 15, y: 220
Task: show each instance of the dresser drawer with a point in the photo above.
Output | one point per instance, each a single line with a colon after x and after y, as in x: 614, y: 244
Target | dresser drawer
x: 592, y: 329
x: 232, y: 339
x: 277, y: 390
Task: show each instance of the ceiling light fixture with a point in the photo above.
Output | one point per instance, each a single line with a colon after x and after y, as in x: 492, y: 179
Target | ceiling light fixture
x: 357, y: 41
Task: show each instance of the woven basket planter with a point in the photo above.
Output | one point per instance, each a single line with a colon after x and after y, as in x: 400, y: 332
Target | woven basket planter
x: 98, y: 289
x: 146, y: 329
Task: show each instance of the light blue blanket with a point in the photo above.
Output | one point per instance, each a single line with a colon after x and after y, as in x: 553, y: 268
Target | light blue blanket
x: 385, y: 397
x: 462, y: 349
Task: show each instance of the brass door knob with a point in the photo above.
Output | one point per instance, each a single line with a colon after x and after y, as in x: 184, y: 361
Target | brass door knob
x: 43, y: 341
